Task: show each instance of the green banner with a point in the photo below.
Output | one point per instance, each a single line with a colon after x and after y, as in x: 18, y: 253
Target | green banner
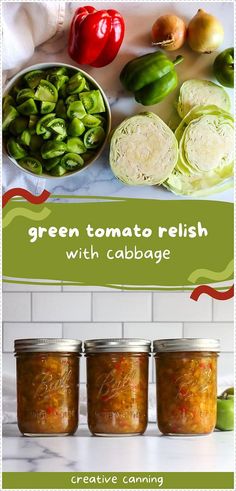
x: 118, y: 480
x: 117, y: 242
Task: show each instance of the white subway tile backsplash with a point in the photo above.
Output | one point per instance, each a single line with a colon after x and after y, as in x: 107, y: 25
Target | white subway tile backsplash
x: 223, y: 331
x: 61, y: 307
x: 76, y: 288
x: 223, y: 311
x: 15, y: 287
x: 16, y: 307
x: 90, y: 330
x: 17, y: 330
x: 179, y: 307
x: 153, y: 330
x: 122, y: 306
x: 226, y: 367
x: 9, y: 364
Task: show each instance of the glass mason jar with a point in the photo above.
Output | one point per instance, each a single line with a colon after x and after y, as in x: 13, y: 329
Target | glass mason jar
x: 186, y: 378
x: 117, y: 386
x: 47, y: 386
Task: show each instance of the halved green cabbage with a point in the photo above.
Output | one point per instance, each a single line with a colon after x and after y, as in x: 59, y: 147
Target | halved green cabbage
x: 200, y: 93
x: 143, y: 150
x: 206, y: 152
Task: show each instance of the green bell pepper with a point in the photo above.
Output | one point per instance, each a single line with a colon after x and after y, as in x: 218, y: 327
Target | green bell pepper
x: 225, y: 410
x: 223, y: 68
x: 150, y: 77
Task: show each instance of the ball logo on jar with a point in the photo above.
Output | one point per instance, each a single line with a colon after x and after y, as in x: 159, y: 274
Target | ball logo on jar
x: 48, y: 383
x: 113, y: 383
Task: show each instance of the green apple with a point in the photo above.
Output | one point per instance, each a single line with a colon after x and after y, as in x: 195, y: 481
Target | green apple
x: 225, y: 410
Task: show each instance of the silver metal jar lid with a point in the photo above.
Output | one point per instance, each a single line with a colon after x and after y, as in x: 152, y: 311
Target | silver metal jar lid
x: 186, y: 344
x: 115, y: 345
x: 45, y: 345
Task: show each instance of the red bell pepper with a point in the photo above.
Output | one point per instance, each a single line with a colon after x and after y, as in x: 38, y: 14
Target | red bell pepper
x: 95, y: 36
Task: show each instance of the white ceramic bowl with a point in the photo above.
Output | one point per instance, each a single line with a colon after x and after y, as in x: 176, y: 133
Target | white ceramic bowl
x: 41, y: 66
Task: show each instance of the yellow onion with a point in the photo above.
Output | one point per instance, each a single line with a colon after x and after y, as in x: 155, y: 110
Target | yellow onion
x: 205, y: 32
x: 169, y: 32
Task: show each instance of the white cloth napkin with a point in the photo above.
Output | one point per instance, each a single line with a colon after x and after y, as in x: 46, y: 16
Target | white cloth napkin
x: 26, y: 25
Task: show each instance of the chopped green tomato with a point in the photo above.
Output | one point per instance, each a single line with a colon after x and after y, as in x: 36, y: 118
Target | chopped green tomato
x: 25, y: 137
x: 9, y: 114
x: 59, y: 138
x: 24, y: 94
x: 50, y: 163
x: 58, y: 126
x: 58, y: 171
x: 31, y: 164
x: 75, y: 145
x: 58, y: 80
x: 91, y: 121
x: 33, y: 78
x: 61, y: 109
x: 47, y: 107
x: 28, y: 107
x: 94, y: 137
x: 103, y: 121
x: 46, y: 92
x: 76, y: 84
x: 76, y: 127
x: 70, y: 161
x: 76, y: 110
x: 47, y: 135
x: 93, y: 101
x: 62, y: 92
x: 7, y: 101
x: 15, y: 150
x: 62, y: 70
x: 53, y: 149
x: 41, y: 126
x: 72, y: 98
x: 19, y: 124
x: 33, y: 121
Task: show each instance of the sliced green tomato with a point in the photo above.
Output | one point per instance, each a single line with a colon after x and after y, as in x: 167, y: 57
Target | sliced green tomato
x: 53, y: 149
x: 76, y: 110
x: 32, y: 164
x: 58, y: 137
x: 33, y: 78
x: 58, y: 171
x: 61, y: 109
x: 8, y: 101
x: 47, y: 135
x: 50, y: 163
x: 36, y: 143
x: 41, y: 126
x: 19, y: 124
x: 91, y: 121
x: 57, y: 80
x: 57, y: 125
x: 33, y: 119
x: 25, y: 137
x: 75, y: 145
x: 93, y: 101
x: 15, y: 150
x: 46, y: 91
x: 76, y: 84
x: 28, y: 107
x: 62, y: 92
x: 9, y: 114
x: 47, y: 107
x: 24, y: 94
x: 76, y: 127
x: 94, y: 137
x: 103, y: 120
x: 72, y: 98
x: 71, y: 161
x: 62, y: 70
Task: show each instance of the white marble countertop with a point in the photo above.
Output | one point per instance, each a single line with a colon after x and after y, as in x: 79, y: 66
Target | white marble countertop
x: 149, y: 453
x: 98, y: 179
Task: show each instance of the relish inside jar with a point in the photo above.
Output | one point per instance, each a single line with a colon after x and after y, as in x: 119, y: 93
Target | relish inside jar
x: 47, y: 386
x: 186, y: 380
x: 117, y: 386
